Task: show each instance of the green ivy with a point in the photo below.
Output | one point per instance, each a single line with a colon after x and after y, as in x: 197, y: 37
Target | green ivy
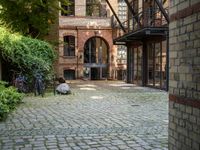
x: 28, y: 54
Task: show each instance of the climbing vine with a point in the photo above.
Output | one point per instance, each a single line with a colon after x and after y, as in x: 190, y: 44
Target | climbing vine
x: 28, y: 54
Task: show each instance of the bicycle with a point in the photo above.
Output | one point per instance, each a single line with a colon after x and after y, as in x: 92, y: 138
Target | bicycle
x: 39, y: 86
x: 21, y: 84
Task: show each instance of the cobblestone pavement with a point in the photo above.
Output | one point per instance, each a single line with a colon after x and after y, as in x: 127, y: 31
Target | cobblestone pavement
x: 100, y: 115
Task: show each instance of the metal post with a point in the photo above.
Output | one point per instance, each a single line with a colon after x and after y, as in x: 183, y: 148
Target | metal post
x: 163, y: 11
x: 133, y: 12
x: 144, y: 64
x: 167, y: 63
x: 77, y: 66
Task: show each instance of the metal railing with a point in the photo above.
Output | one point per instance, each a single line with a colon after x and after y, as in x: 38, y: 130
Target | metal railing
x: 150, y: 17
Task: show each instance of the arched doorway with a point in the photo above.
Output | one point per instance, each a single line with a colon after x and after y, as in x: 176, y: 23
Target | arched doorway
x: 96, y: 58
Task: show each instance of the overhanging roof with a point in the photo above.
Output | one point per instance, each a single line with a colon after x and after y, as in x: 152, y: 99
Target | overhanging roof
x: 140, y: 34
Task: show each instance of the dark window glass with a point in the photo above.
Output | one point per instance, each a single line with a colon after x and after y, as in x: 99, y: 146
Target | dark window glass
x: 95, y: 8
x: 96, y: 51
x: 69, y: 74
x: 69, y: 10
x: 69, y: 46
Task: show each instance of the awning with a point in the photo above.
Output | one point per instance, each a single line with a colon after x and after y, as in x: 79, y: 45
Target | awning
x: 141, y: 34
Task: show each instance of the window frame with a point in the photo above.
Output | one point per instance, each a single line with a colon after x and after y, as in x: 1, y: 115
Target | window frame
x: 69, y: 45
x: 70, y: 9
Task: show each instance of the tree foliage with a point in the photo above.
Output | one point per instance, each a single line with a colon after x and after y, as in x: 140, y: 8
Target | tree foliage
x: 30, y: 17
x: 29, y: 55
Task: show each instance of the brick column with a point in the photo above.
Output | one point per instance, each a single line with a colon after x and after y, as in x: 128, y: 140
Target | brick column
x: 184, y: 80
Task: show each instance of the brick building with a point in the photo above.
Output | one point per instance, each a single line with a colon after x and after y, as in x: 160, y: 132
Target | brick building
x: 86, y: 47
x: 184, y: 83
x: 145, y: 35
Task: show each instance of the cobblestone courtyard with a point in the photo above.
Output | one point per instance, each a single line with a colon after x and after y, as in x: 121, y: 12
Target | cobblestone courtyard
x: 97, y: 116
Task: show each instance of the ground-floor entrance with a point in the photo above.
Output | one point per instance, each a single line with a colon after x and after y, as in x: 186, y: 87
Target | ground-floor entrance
x: 156, y: 64
x: 95, y: 73
x: 147, y: 64
x: 96, y: 58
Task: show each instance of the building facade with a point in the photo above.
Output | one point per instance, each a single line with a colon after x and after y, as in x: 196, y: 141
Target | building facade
x: 184, y: 83
x: 121, y: 49
x: 86, y: 47
x: 145, y: 35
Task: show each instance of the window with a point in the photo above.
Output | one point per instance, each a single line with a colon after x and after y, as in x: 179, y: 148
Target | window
x: 96, y: 51
x: 95, y: 8
x: 69, y: 74
x: 122, y: 9
x: 69, y: 10
x: 69, y: 46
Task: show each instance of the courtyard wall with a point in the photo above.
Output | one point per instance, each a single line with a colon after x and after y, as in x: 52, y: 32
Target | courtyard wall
x: 184, y: 83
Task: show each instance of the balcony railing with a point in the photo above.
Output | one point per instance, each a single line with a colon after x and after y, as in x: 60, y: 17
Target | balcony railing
x: 150, y: 17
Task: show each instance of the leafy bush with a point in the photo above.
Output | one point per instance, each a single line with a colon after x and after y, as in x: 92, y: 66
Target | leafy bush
x: 28, y: 54
x: 9, y: 98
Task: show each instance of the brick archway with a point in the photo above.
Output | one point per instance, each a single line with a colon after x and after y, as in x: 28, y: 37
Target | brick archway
x: 96, y: 58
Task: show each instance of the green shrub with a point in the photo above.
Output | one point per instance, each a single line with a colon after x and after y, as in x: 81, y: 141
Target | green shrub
x: 9, y: 98
x: 4, y: 110
x: 27, y: 54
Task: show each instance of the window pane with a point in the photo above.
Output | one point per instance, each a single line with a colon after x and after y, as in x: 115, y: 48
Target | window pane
x: 151, y: 64
x: 95, y: 8
x: 69, y: 46
x: 69, y: 74
x: 69, y: 9
x: 157, y: 64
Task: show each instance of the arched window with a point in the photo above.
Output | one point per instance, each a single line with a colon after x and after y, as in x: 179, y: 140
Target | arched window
x: 69, y: 9
x: 69, y: 45
x: 96, y: 58
x: 96, y: 51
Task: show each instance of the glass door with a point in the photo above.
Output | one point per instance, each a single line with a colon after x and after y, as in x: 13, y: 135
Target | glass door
x: 95, y: 59
x: 156, y: 65
x: 150, y: 67
x: 164, y: 64
x: 158, y: 71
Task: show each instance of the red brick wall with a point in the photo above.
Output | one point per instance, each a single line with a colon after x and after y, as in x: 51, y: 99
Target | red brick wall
x: 82, y: 34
